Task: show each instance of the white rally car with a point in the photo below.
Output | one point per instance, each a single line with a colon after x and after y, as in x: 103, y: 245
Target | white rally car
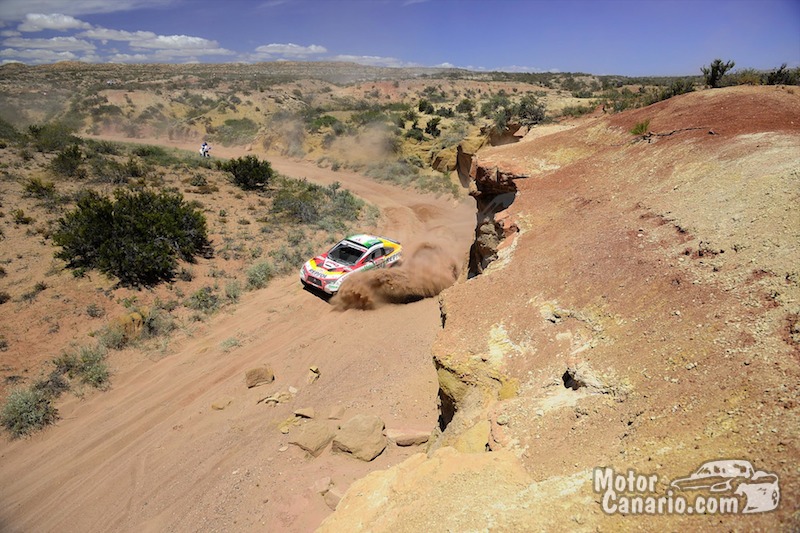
x: 353, y: 254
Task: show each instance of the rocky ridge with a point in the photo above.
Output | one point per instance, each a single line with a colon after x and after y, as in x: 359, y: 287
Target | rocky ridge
x: 630, y: 303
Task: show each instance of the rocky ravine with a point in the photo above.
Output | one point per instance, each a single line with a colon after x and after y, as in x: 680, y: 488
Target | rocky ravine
x: 631, y: 303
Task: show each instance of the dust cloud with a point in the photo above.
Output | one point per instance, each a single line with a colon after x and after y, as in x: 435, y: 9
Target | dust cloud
x: 425, y: 271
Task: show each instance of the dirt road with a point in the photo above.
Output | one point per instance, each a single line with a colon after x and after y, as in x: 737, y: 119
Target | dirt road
x: 152, y: 455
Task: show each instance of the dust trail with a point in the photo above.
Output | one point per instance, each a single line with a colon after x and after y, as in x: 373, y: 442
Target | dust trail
x: 426, y: 271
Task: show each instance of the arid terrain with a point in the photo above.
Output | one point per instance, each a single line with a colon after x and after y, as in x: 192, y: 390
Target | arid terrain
x: 623, y: 301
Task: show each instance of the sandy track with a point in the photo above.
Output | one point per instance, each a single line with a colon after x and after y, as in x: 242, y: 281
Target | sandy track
x: 151, y: 454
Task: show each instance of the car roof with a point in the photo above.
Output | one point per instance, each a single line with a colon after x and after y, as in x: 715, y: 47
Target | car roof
x: 365, y: 240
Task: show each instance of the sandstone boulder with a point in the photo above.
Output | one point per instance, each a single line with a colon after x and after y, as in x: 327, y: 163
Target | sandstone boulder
x: 312, y: 437
x: 408, y: 437
x: 362, y: 437
x: 258, y: 376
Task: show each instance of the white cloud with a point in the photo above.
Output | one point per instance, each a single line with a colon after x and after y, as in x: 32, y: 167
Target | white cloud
x: 518, y: 68
x: 10, y: 33
x: 37, y: 57
x: 374, y: 61
x: 290, y: 50
x: 56, y: 21
x: 176, y: 42
x: 17, y: 9
x: 105, y: 34
x: 56, y: 43
x: 129, y: 58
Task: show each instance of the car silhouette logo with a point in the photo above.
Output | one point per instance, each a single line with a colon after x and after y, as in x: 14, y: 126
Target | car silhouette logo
x: 736, y: 476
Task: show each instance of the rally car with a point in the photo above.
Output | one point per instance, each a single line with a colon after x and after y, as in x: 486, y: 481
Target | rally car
x: 353, y: 254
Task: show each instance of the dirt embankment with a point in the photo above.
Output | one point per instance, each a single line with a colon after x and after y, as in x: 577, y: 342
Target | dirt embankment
x: 634, y: 307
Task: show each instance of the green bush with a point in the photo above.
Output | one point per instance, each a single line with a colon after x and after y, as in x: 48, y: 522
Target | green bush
x: 713, y: 73
x: 52, y: 137
x: 641, y: 128
x: 259, y: 274
x: 37, y: 188
x: 301, y: 202
x: 248, y: 172
x: 85, y: 363
x: 26, y: 411
x: 137, y: 237
x: 782, y: 76
x: 69, y: 162
x: 8, y: 132
x: 236, y: 131
x: 204, y: 300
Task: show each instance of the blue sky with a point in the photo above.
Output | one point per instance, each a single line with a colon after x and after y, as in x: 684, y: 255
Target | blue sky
x: 627, y: 37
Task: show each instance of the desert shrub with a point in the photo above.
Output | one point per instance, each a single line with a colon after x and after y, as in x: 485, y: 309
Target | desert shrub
x: 69, y: 162
x: 288, y: 258
x: 157, y: 322
x: 26, y: 411
x: 465, y: 106
x: 34, y: 292
x: 781, y: 76
x: 85, y: 363
x: 8, y: 132
x: 576, y: 111
x: 204, y: 300
x: 415, y: 133
x: 259, y: 274
x: 233, y: 290
x: 52, y: 137
x: 235, y: 131
x: 432, y: 127
x: 529, y: 111
x: 4, y: 297
x: 424, y: 106
x: 94, y: 147
x: 641, y: 128
x: 248, y: 172
x: 36, y: 187
x: 137, y: 237
x: 301, y: 202
x: 53, y: 385
x: 95, y: 311
x: 198, y: 180
x: 113, y: 337
x: 20, y: 218
x: 713, y: 73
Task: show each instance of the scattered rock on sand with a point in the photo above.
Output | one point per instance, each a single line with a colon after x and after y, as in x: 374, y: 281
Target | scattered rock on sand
x: 362, y: 437
x: 313, y: 374
x: 221, y: 403
x: 332, y: 497
x: 336, y: 412
x: 312, y: 437
x: 305, y: 412
x: 407, y: 437
x: 258, y: 376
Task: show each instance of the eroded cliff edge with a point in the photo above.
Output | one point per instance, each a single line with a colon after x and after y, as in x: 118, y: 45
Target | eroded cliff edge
x: 632, y: 302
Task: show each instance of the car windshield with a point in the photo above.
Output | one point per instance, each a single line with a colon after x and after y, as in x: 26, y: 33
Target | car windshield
x: 345, y: 254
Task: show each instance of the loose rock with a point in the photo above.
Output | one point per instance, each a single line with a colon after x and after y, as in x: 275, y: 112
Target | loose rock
x: 408, y: 437
x: 362, y: 437
x: 258, y: 376
x: 312, y: 437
